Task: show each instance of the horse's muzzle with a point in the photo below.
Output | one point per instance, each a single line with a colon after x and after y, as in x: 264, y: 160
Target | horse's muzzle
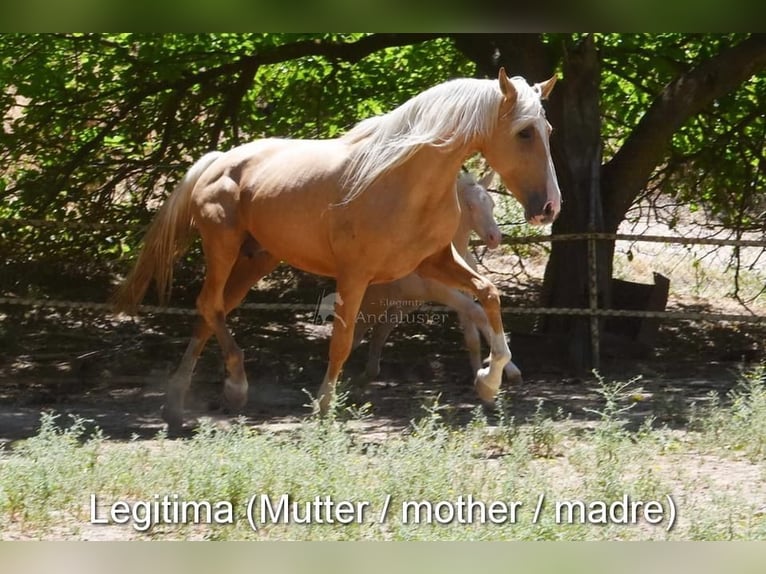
x: 546, y: 215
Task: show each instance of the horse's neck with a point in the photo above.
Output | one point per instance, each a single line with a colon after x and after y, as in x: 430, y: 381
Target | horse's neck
x: 461, y: 246
x: 463, y: 236
x: 463, y: 233
x: 432, y: 172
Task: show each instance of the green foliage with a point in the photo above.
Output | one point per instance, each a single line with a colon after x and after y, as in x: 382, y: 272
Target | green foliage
x: 47, y: 470
x: 545, y: 435
x: 96, y: 123
x: 610, y: 436
x: 715, y: 161
x: 99, y: 127
x: 739, y: 425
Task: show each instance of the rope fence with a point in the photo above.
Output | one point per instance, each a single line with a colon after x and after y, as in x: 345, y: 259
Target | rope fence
x: 305, y: 307
x: 531, y: 239
x: 593, y: 312
x: 507, y: 240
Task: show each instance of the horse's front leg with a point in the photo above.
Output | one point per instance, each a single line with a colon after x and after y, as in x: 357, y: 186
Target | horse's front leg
x: 350, y: 291
x: 447, y: 267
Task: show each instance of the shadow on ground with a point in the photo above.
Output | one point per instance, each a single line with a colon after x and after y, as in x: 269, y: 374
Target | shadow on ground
x: 113, y: 370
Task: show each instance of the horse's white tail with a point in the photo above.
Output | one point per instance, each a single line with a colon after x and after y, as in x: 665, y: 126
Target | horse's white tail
x: 167, y: 238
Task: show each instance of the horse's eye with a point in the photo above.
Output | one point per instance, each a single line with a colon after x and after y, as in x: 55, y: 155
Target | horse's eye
x: 526, y: 133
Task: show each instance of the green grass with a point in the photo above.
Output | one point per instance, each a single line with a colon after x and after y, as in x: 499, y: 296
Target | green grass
x: 741, y: 426
x: 713, y: 472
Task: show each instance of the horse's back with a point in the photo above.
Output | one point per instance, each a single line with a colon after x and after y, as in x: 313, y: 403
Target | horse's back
x: 279, y: 192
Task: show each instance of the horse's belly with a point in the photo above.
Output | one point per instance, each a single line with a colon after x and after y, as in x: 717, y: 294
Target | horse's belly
x: 298, y: 242
x: 406, y: 253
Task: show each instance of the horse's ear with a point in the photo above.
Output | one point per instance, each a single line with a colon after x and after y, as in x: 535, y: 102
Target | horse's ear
x: 487, y: 178
x: 506, y: 86
x: 546, y: 87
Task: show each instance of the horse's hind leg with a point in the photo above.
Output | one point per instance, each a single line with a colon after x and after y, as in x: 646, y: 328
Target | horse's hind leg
x: 220, y: 257
x: 178, y: 385
x: 248, y: 269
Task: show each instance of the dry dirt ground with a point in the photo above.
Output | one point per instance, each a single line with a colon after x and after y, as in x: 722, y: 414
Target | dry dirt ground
x: 113, y: 370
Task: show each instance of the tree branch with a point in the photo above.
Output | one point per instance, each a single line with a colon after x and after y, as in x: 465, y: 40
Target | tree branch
x: 628, y: 171
x: 348, y: 51
x: 244, y: 67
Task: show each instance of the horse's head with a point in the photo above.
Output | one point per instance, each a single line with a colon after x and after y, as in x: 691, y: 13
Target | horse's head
x: 518, y: 148
x: 478, y: 205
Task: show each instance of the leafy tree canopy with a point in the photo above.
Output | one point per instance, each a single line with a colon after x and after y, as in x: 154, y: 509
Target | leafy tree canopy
x: 98, y: 127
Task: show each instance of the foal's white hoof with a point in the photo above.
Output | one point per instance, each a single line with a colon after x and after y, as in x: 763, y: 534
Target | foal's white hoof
x: 512, y: 373
x: 486, y: 387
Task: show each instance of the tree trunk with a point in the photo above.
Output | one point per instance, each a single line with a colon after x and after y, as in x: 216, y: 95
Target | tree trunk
x: 576, y: 148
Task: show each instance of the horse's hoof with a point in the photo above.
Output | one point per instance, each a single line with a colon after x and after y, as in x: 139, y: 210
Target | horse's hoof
x: 486, y: 388
x: 513, y: 374
x: 235, y: 395
x: 324, y: 405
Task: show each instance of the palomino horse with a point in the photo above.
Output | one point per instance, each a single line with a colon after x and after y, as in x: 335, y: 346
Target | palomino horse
x: 369, y: 207
x: 385, y: 303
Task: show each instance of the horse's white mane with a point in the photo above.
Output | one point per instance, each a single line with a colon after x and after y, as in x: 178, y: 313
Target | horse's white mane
x: 453, y: 112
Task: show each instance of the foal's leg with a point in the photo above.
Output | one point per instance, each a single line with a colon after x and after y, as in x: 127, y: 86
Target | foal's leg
x: 380, y: 333
x: 447, y: 267
x: 470, y: 314
x: 368, y: 306
x: 350, y: 293
x: 374, y: 302
x: 246, y: 272
x: 471, y: 338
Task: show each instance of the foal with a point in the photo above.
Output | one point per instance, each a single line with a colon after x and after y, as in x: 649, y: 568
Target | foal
x: 400, y: 297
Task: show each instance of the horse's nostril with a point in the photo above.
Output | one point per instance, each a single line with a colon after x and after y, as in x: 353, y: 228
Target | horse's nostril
x: 548, y: 209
